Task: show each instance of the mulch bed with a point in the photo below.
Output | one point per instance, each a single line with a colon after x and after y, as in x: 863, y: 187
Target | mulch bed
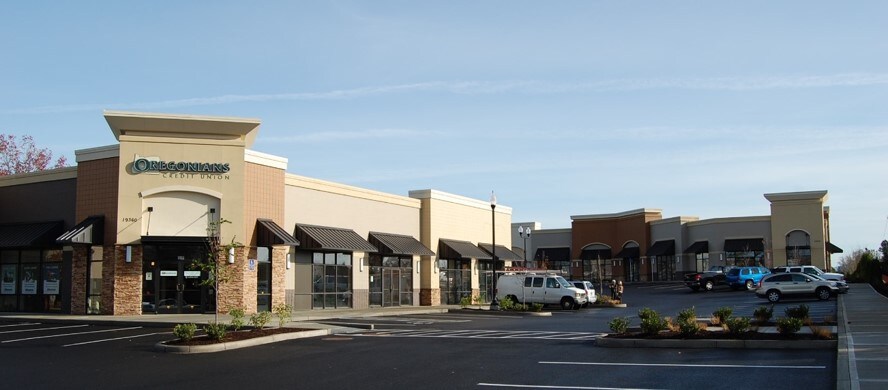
x: 707, y: 335
x: 235, y: 336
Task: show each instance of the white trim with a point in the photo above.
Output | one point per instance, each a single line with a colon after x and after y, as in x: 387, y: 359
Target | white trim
x: 200, y: 190
x: 48, y: 175
x: 616, y: 215
x: 98, y: 153
x: 252, y: 156
x: 458, y: 199
x: 763, y: 218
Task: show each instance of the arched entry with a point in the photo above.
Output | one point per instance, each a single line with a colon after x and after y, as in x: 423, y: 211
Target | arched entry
x: 798, y: 248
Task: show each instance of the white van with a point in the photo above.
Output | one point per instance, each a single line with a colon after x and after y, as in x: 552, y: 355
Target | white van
x: 547, y: 289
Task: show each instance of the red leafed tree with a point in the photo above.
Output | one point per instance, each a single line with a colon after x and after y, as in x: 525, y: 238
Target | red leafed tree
x: 23, y: 156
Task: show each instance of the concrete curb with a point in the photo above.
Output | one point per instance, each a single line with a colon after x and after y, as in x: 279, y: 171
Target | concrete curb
x: 721, y: 344
x: 188, y: 349
x: 843, y: 363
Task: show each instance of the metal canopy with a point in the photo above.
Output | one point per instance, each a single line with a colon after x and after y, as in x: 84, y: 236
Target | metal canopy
x: 397, y: 244
x: 90, y: 231
x: 502, y: 253
x: 698, y: 247
x: 662, y: 248
x: 331, y: 238
x: 268, y: 233
x: 455, y: 249
x: 23, y: 235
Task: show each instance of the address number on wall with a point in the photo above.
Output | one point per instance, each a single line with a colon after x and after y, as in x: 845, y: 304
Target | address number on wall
x: 130, y: 219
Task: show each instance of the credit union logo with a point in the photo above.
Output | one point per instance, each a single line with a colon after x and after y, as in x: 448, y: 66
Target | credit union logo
x: 155, y: 165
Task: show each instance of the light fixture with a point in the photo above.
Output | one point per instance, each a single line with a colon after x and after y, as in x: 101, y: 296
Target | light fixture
x: 361, y: 260
x: 417, y: 266
x: 289, y: 259
x: 231, y: 255
x: 129, y: 253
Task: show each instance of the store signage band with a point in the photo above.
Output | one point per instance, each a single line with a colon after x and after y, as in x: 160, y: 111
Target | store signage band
x: 149, y: 165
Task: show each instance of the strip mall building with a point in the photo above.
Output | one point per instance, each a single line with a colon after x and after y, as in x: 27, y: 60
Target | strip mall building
x: 118, y: 233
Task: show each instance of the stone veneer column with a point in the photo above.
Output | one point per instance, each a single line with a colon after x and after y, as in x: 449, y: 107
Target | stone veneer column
x: 430, y: 297
x: 126, y: 287
x: 79, y: 266
x: 233, y: 292
x: 278, y: 275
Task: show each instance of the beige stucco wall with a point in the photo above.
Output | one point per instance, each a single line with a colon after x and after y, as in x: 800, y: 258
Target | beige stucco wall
x: 318, y: 202
x: 457, y: 217
x: 799, y: 211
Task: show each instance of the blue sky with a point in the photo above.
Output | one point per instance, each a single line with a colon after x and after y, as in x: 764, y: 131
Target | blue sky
x: 563, y: 108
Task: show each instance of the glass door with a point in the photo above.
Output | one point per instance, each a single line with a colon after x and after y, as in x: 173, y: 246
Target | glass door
x: 391, y: 284
x: 169, y: 289
x: 170, y: 284
x: 376, y: 286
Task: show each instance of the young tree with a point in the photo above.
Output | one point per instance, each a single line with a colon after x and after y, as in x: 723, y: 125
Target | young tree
x: 23, y: 156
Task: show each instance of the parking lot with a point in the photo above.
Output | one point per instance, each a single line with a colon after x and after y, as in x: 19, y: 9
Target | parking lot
x: 460, y: 349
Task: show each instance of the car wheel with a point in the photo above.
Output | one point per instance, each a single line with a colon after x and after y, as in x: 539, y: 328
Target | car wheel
x: 750, y: 285
x: 707, y: 286
x: 823, y: 294
x: 567, y: 303
x: 773, y: 296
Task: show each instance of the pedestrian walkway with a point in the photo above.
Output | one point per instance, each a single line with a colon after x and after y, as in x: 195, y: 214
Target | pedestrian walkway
x: 863, y: 339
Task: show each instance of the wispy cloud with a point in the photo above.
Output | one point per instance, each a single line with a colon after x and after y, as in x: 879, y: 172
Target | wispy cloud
x: 497, y: 87
x: 350, y: 135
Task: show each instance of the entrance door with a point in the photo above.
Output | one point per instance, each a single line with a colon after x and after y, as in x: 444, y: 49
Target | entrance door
x: 179, y: 289
x: 391, y: 284
x: 170, y: 284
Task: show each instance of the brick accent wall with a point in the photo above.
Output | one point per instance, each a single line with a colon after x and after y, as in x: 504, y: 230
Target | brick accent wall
x: 232, y: 292
x: 97, y: 193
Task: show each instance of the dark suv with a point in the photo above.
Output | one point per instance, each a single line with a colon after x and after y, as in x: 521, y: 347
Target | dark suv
x: 748, y: 277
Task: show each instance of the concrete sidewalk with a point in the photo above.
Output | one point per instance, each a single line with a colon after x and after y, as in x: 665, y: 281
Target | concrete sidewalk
x: 862, y: 361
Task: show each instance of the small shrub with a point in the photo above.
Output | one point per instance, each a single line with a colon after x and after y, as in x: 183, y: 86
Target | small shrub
x: 465, y: 301
x: 653, y: 324
x: 737, y: 325
x: 763, y: 314
x: 537, y: 307
x: 506, y: 304
x: 184, y: 332
x: 687, y: 321
x: 801, y: 311
x: 619, y: 324
x: 216, y: 330
x: 647, y: 312
x: 722, y: 314
x: 789, y: 325
x: 603, y: 299
x: 259, y: 320
x: 284, y: 314
x: 821, y: 333
x: 237, y: 318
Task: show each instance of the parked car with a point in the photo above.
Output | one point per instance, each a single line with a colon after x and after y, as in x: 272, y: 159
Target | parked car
x: 588, y: 287
x: 707, y: 280
x: 748, y: 277
x: 775, y: 286
x: 540, y: 288
x: 812, y: 270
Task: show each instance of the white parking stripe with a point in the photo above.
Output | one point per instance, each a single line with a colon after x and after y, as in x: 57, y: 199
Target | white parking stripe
x: 556, y: 387
x: 69, y: 334
x: 684, y: 365
x: 21, y: 324
x: 116, y: 338
x: 39, y: 329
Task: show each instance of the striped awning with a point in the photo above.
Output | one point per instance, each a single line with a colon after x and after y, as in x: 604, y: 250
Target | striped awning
x: 398, y: 244
x: 90, y: 231
x: 331, y: 238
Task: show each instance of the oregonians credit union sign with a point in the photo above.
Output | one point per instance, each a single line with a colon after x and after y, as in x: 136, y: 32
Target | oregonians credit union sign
x: 183, y: 169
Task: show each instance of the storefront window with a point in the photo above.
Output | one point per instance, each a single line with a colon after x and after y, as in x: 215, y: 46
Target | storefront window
x: 263, y: 279
x: 331, y: 280
x: 9, y: 282
x: 798, y: 248
x: 391, y: 280
x: 455, y: 277
x: 702, y: 261
x: 29, y: 280
x: 94, y: 287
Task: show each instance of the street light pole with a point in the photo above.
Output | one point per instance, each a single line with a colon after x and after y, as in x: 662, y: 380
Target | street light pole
x: 524, y: 232
x: 494, y: 305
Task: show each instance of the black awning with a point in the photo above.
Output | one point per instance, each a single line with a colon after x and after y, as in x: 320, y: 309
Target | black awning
x: 268, y: 233
x: 662, y: 248
x: 552, y: 254
x: 628, y: 252
x: 455, y: 249
x: 23, y: 235
x: 502, y: 253
x: 595, y: 254
x: 698, y: 247
x: 90, y: 231
x: 832, y: 248
x: 331, y: 238
x: 744, y: 245
x: 397, y: 244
